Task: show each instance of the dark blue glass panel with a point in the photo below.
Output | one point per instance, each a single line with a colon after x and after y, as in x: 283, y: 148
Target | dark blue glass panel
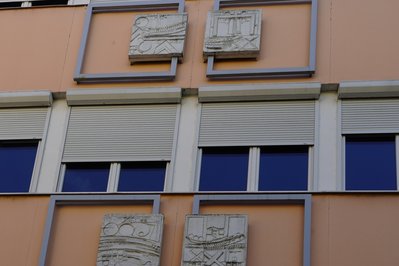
x: 370, y: 163
x: 86, y: 177
x: 142, y: 176
x: 16, y: 166
x: 224, y: 169
x: 283, y: 168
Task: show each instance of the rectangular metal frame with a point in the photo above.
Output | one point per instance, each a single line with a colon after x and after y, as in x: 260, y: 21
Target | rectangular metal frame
x: 83, y: 200
x: 93, y: 8
x: 282, y: 199
x: 252, y: 73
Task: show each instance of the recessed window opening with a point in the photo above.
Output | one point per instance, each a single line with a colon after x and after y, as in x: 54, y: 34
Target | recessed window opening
x: 224, y: 169
x: 10, y: 4
x: 142, y: 176
x: 50, y: 3
x: 86, y: 177
x: 17, y: 160
x: 283, y: 168
x: 370, y: 162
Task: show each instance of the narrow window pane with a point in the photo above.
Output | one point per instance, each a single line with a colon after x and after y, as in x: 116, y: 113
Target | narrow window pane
x: 86, y: 177
x: 142, y: 176
x: 370, y: 163
x: 16, y: 166
x: 283, y: 168
x: 224, y: 169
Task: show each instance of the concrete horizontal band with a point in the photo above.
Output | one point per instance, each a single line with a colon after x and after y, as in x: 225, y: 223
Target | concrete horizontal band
x: 256, y: 92
x: 25, y: 99
x: 123, y: 96
x: 368, y: 89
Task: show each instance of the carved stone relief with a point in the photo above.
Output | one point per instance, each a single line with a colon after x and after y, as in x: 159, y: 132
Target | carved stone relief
x: 215, y: 240
x: 157, y: 37
x: 130, y: 240
x: 233, y: 34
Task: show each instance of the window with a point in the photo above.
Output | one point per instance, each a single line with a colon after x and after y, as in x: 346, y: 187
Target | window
x: 17, y: 160
x: 283, y: 168
x: 102, y: 177
x: 270, y: 168
x: 370, y: 162
x: 119, y: 147
x: 224, y: 169
x: 276, y: 140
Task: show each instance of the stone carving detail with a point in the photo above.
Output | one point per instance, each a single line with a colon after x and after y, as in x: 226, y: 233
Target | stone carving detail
x: 158, y: 37
x: 233, y: 34
x: 215, y: 240
x: 130, y: 240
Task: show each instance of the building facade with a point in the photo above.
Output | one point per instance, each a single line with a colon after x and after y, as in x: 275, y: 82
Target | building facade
x: 284, y: 112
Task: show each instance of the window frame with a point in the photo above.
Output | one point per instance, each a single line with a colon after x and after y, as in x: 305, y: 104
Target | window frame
x: 254, y: 166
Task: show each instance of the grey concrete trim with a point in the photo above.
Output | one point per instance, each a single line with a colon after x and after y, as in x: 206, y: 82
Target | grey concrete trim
x: 290, y: 72
x: 25, y: 99
x: 81, y: 200
x: 368, y: 89
x: 123, y: 96
x: 297, y: 199
x: 108, y: 7
x: 259, y: 92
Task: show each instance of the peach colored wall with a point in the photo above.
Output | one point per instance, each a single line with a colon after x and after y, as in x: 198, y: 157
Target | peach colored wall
x: 356, y: 40
x: 347, y: 230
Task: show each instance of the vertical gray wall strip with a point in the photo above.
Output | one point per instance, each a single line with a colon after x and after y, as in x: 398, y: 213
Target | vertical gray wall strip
x: 307, y: 230
x: 120, y: 133
x: 370, y: 116
x: 257, y: 123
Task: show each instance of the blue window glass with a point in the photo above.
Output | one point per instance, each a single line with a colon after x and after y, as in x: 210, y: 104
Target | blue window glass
x: 86, y: 177
x: 283, y: 168
x: 142, y: 176
x: 17, y: 160
x: 370, y: 163
x: 224, y: 169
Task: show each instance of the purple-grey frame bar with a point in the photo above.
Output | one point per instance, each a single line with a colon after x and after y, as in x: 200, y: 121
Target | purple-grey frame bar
x: 297, y: 199
x: 109, y: 7
x: 84, y: 200
x: 251, y: 73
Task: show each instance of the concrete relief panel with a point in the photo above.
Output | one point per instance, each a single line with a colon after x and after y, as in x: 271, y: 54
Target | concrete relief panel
x: 130, y: 240
x: 157, y: 37
x: 233, y: 34
x: 215, y: 240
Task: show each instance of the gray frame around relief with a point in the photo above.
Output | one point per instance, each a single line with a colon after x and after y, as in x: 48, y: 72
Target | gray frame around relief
x: 252, y: 73
x: 84, y: 200
x: 110, y: 7
x: 283, y: 199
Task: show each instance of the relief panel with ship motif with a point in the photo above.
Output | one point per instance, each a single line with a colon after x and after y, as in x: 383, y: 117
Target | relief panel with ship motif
x: 158, y: 37
x: 217, y: 240
x: 130, y: 240
x: 233, y: 34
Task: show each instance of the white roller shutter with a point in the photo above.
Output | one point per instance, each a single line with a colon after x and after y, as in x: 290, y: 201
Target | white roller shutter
x: 370, y: 116
x: 257, y: 123
x: 22, y: 123
x: 120, y: 133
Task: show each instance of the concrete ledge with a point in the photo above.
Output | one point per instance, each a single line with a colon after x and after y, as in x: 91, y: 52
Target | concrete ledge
x: 123, y: 96
x: 368, y: 89
x: 259, y: 92
x: 25, y: 99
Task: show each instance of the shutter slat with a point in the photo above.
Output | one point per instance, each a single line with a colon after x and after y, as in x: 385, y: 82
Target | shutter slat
x: 120, y: 133
x: 370, y: 116
x: 22, y: 123
x: 257, y: 123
